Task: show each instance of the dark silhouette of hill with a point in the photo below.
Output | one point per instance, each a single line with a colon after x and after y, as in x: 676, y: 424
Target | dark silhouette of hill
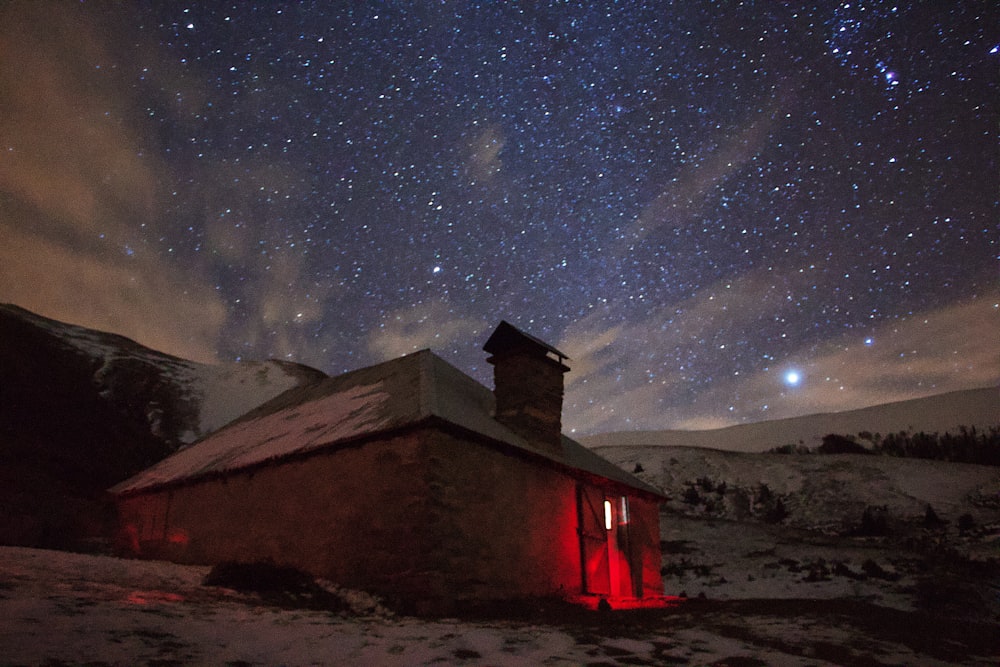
x: 81, y: 410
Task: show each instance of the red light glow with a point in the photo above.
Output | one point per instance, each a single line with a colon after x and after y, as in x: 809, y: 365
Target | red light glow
x: 179, y: 537
x: 144, y: 598
x: 621, y: 603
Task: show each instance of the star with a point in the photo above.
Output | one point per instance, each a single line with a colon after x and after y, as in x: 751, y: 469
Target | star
x: 792, y: 378
x: 679, y: 191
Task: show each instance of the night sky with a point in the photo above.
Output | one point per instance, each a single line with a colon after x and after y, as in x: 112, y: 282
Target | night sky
x: 721, y: 211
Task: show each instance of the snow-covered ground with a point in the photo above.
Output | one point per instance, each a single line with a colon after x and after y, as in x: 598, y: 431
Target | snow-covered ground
x: 800, y: 591
x: 724, y: 538
x: 65, y: 608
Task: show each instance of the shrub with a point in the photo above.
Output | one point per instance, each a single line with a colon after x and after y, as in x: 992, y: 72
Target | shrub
x: 969, y: 445
x: 691, y: 496
x: 841, y: 570
x: 818, y: 571
x: 764, y: 494
x: 874, y: 522
x: 800, y: 448
x: 931, y: 518
x: 875, y: 571
x: 838, y: 444
x: 776, y: 513
x: 275, y: 584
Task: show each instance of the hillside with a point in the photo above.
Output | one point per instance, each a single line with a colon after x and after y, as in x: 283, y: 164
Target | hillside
x: 904, y: 533
x: 824, y: 493
x: 81, y: 410
x: 932, y: 414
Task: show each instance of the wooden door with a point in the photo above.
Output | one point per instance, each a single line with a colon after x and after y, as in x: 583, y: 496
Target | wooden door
x: 594, y: 560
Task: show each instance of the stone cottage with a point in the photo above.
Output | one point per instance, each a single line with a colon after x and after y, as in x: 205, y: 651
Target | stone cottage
x: 411, y: 480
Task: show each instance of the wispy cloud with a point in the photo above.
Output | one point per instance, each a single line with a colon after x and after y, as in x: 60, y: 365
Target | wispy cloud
x: 613, y: 387
x: 431, y: 325
x: 482, y: 161
x: 68, y: 147
x: 617, y: 359
x: 680, y: 201
x: 927, y: 353
x: 77, y: 183
x: 135, y: 297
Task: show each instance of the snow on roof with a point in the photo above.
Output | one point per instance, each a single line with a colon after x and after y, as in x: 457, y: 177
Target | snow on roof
x: 379, y: 398
x: 276, y: 435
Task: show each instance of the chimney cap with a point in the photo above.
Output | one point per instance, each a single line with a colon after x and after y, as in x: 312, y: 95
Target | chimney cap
x: 507, y: 338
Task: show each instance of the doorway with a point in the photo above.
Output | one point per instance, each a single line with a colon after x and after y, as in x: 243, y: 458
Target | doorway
x: 607, y: 568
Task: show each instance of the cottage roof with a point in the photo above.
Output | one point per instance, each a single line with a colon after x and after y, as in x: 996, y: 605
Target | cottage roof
x: 338, y: 410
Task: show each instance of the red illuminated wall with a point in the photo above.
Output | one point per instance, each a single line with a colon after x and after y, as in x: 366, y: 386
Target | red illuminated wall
x: 428, y: 516
x: 506, y: 525
x: 644, y: 534
x: 354, y: 515
x: 623, y: 561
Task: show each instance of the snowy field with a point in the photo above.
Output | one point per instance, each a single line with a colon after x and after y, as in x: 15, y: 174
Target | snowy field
x: 800, y: 589
x: 65, y: 609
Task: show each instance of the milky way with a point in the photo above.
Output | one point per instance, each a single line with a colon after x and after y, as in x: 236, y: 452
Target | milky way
x: 721, y: 212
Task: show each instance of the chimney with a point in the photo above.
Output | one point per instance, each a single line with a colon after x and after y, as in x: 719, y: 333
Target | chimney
x: 528, y: 386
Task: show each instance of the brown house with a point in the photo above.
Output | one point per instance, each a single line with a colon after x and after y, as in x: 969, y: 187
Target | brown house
x: 412, y: 480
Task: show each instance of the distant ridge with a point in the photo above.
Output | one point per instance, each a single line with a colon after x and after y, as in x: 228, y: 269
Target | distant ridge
x: 931, y: 414
x: 82, y: 409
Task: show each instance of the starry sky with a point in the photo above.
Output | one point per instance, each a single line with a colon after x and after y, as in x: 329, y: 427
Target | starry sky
x: 723, y: 212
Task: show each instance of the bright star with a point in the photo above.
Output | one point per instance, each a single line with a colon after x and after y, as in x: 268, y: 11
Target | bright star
x: 792, y: 378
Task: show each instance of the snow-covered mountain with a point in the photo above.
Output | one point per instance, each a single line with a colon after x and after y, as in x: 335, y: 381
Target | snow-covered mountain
x: 741, y: 523
x: 180, y: 400
x: 907, y: 533
x: 827, y: 493
x: 81, y: 410
x: 932, y: 414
